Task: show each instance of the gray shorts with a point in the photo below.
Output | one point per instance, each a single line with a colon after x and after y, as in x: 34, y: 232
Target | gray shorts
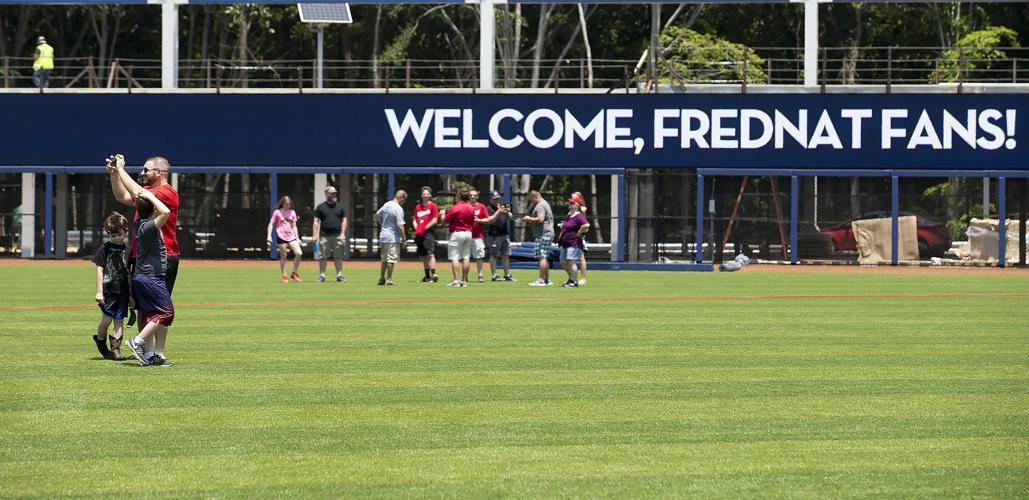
x: 498, y: 246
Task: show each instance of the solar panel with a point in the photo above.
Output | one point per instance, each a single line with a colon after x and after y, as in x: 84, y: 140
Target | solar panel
x: 325, y: 13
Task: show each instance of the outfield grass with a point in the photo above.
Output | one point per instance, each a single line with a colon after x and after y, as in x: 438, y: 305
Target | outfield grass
x: 718, y: 385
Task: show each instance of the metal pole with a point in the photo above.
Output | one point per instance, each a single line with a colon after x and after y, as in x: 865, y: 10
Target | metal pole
x: 622, y: 196
x: 391, y: 185
x: 48, y: 214
x: 810, y: 43
x: 169, y: 45
x: 698, y: 233
x: 889, y: 70
x: 794, y: 216
x: 655, y: 44
x: 320, y: 63
x: 273, y: 195
x: 487, y: 43
x: 1002, y: 214
x: 894, y: 215
x: 28, y: 215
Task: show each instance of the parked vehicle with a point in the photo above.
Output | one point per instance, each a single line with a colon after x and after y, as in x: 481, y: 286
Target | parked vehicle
x: 933, y: 237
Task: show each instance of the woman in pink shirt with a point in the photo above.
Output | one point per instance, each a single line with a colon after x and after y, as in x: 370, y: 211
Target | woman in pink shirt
x: 284, y: 220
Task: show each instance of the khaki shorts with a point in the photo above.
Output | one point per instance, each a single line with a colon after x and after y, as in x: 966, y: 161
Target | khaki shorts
x: 389, y: 252
x: 331, y: 246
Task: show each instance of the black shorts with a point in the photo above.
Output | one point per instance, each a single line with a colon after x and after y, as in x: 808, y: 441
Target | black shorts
x: 171, y: 273
x: 425, y: 245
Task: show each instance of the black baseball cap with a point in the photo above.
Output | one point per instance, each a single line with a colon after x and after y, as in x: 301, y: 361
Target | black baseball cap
x: 495, y: 195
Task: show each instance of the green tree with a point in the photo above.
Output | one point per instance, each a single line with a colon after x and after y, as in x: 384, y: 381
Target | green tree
x: 980, y: 51
x: 691, y: 56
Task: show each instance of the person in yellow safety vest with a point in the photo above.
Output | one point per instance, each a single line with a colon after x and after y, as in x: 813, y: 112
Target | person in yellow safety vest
x: 43, y: 64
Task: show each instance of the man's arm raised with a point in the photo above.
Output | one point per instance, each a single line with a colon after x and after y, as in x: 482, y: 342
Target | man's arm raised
x: 120, y: 193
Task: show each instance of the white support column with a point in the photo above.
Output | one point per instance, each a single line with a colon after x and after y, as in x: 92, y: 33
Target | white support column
x: 616, y: 197
x: 320, y: 73
x: 487, y: 43
x: 169, y: 45
x: 61, y: 217
x: 175, y: 181
x: 28, y: 215
x: 320, y: 182
x: 810, y: 43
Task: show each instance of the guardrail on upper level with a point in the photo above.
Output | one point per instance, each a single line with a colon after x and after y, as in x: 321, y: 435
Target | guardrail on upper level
x: 752, y: 66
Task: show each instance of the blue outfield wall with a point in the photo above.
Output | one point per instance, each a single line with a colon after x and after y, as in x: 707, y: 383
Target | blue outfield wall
x: 769, y: 131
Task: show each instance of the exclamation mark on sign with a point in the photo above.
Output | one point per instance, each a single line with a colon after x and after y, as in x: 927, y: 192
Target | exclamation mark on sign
x: 1010, y: 143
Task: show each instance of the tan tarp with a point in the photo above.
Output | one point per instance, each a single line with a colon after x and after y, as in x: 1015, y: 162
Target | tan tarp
x: 984, y: 241
x: 874, y: 239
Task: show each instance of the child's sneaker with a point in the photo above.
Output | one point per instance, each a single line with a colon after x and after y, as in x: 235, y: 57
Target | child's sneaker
x: 340, y: 279
x: 136, y: 346
x: 101, y: 346
x: 158, y: 360
x: 321, y: 278
x: 295, y: 277
x: 285, y: 279
x: 508, y: 277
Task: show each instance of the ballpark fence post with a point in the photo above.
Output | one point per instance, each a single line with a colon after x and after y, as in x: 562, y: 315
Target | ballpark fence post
x: 794, y: 216
x: 894, y: 215
x: 1002, y: 227
x: 698, y: 237
x: 48, y: 214
x: 273, y: 194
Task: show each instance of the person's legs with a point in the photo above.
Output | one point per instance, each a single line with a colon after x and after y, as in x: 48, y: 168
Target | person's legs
x: 171, y: 273
x: 324, y: 245
x: 507, y: 264
x: 337, y: 256
x: 160, y: 336
x: 282, y: 258
x: 582, y: 267
x: 295, y: 247
x: 466, y: 265
x: 101, y: 328
x: 493, y: 265
x: 46, y: 78
x: 35, y: 78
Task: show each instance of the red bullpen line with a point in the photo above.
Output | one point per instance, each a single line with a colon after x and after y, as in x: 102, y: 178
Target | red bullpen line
x: 571, y: 299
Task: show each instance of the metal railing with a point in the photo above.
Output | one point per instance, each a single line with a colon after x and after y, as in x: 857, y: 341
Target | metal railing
x: 755, y: 66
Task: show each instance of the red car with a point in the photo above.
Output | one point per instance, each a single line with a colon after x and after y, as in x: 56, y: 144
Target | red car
x: 933, y: 237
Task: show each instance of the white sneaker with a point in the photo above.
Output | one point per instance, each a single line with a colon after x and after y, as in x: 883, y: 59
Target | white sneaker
x: 454, y: 284
x: 582, y: 282
x: 538, y: 283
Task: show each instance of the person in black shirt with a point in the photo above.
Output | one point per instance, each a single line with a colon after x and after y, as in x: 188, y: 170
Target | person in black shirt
x: 330, y: 227
x: 498, y: 243
x: 112, y: 287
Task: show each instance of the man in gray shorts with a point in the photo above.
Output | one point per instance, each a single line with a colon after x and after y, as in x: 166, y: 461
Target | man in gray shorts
x: 541, y: 221
x: 330, y: 227
x: 498, y: 244
x: 391, y: 235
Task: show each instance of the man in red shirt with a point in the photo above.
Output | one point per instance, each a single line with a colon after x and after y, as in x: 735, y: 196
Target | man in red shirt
x: 478, y: 231
x: 155, y: 179
x: 426, y: 215
x: 461, y: 219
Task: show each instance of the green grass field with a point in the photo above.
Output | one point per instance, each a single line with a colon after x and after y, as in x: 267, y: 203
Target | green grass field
x: 793, y: 384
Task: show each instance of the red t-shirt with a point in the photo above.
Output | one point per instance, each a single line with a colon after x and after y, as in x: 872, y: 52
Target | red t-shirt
x: 422, y: 216
x: 460, y: 217
x: 480, y: 212
x: 170, y: 197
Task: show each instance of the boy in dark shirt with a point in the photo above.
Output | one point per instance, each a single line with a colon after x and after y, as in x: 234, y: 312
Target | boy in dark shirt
x: 112, y: 287
x: 153, y: 299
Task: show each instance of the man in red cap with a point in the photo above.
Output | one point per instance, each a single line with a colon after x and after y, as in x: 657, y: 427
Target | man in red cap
x: 573, y: 228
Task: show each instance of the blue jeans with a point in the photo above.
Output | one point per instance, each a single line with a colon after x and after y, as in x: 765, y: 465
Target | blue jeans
x: 41, y: 77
